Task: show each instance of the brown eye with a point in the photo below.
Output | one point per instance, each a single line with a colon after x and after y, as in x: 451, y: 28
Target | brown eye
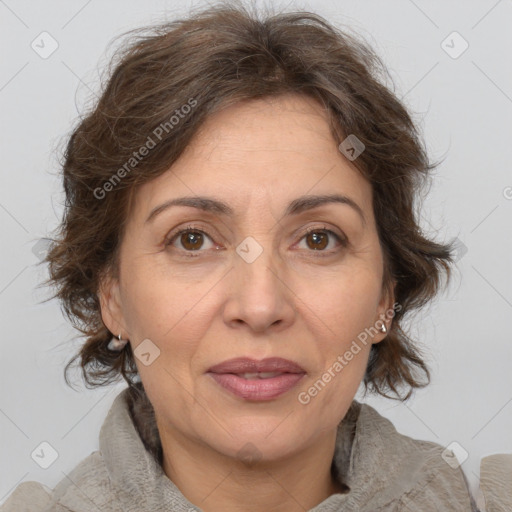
x: 189, y: 240
x: 319, y: 239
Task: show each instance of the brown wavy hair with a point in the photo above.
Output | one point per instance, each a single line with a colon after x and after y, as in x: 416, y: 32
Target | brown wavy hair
x: 216, y: 57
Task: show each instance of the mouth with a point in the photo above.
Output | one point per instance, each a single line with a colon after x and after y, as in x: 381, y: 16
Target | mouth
x: 257, y: 380
x: 248, y: 366
x: 262, y: 375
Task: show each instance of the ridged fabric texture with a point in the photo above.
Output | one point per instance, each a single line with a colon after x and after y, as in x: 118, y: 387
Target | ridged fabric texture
x: 384, y: 471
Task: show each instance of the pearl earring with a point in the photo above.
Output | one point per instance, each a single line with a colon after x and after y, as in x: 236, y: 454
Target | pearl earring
x: 117, y: 344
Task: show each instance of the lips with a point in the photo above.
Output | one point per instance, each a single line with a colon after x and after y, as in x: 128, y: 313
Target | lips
x: 245, y: 365
x: 257, y: 380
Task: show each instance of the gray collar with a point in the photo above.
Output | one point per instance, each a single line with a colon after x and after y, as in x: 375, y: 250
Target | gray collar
x: 378, y: 464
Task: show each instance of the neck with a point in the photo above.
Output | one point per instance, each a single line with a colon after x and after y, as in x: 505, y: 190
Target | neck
x: 296, y: 483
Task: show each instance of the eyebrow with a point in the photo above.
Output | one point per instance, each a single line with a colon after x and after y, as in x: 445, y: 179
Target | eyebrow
x: 295, y: 207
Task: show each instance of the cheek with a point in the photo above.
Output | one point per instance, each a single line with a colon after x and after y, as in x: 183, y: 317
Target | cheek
x: 175, y: 320
x: 160, y: 304
x: 344, y: 305
x: 342, y: 310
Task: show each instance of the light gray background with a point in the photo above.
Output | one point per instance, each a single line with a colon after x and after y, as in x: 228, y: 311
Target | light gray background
x: 463, y: 106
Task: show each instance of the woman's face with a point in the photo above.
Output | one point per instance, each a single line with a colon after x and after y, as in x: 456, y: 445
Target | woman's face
x: 249, y: 282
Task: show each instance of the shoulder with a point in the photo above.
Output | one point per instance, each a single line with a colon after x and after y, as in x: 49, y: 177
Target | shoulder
x: 495, y: 481
x: 28, y: 497
x: 87, y: 487
x: 420, y: 475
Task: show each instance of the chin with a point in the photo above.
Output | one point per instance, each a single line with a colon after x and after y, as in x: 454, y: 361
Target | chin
x: 258, y: 438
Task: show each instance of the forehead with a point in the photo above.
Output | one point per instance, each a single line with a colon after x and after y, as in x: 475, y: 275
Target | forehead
x: 276, y: 149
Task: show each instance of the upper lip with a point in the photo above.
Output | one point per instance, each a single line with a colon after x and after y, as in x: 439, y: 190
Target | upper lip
x: 248, y: 365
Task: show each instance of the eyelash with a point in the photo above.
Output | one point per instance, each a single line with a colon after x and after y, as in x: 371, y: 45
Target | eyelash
x: 343, y: 241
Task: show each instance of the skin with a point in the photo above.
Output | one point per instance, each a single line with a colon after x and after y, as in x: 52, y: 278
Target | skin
x: 293, y: 301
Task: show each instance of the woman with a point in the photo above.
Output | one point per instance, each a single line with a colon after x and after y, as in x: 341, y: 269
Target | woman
x: 240, y: 245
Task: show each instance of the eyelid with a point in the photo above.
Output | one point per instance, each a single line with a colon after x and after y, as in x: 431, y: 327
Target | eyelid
x: 325, y: 228
x: 181, y: 230
x: 341, y: 237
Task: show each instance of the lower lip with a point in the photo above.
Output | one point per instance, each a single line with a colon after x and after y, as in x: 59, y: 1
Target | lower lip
x: 257, y: 389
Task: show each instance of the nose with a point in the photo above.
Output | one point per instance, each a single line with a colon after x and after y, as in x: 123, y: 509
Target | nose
x: 259, y: 298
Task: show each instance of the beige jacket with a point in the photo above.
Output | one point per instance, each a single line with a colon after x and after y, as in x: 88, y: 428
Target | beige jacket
x: 384, y: 470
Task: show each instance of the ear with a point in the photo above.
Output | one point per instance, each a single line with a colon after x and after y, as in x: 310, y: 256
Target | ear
x: 385, y: 312
x: 111, y: 305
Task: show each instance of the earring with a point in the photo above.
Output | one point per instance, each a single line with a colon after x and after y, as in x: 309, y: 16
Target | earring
x: 116, y: 344
x: 383, y: 328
